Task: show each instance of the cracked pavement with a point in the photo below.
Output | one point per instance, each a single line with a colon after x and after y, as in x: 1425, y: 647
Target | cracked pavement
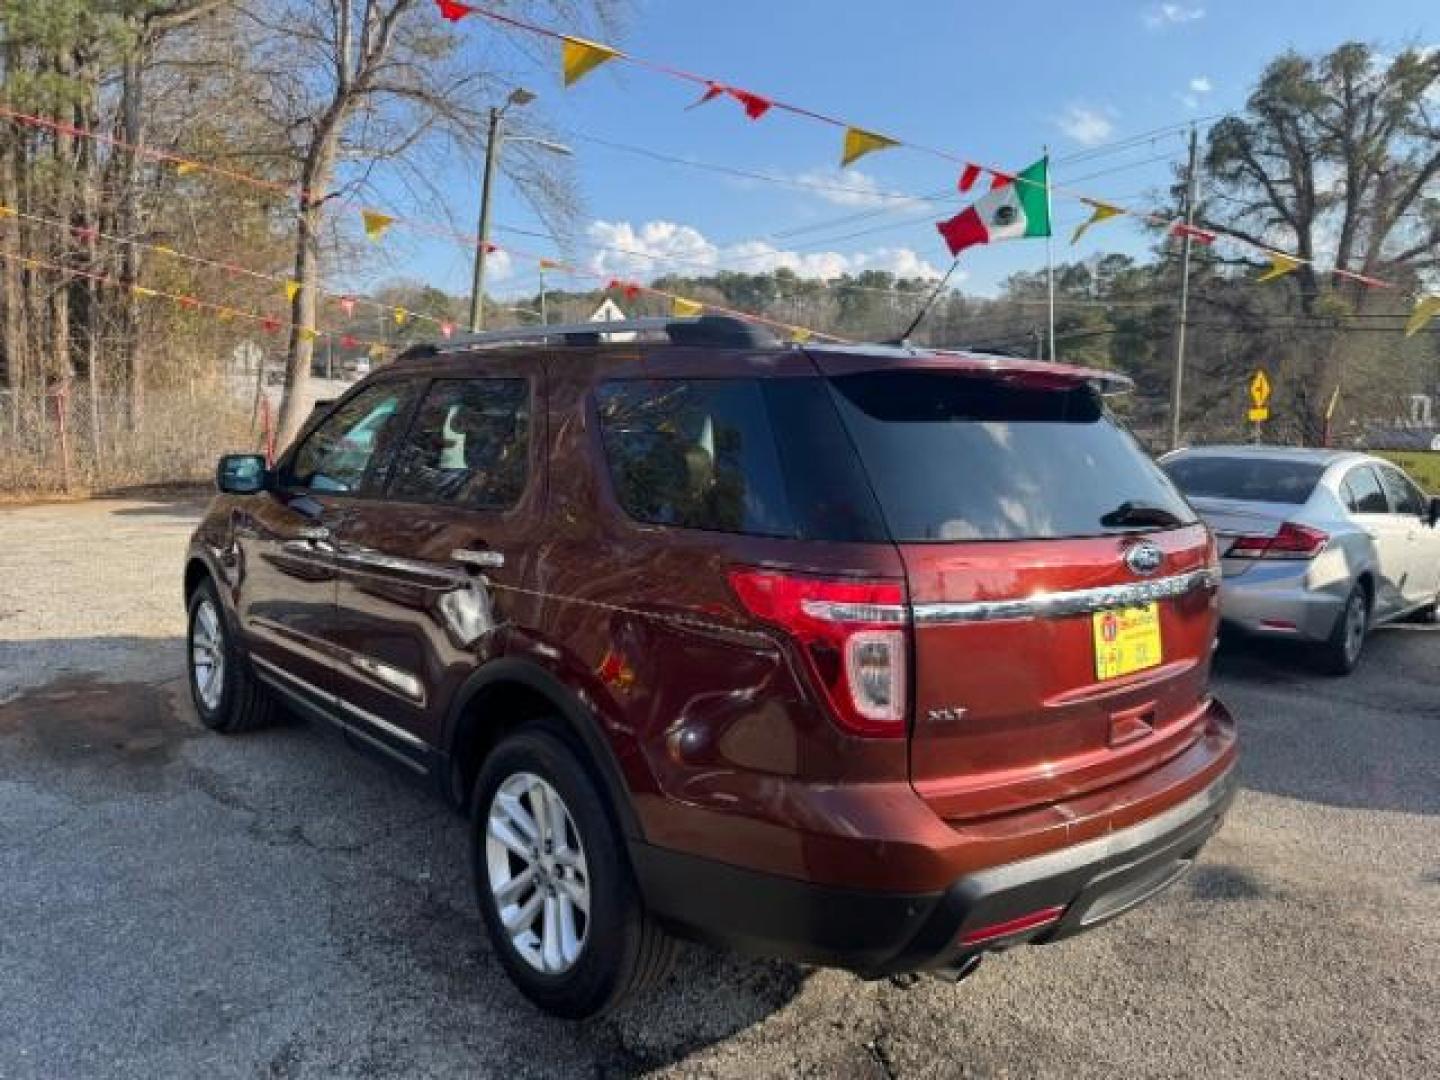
x: 173, y: 903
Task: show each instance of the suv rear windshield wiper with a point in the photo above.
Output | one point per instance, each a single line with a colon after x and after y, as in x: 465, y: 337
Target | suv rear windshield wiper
x: 1131, y: 514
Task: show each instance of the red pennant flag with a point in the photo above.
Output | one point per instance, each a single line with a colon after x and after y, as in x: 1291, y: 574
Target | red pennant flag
x: 347, y: 303
x: 451, y: 11
x: 490, y: 248
x: 969, y: 176
x: 270, y: 324
x: 1201, y: 236
x: 630, y: 289
x: 189, y: 302
x: 755, y: 105
x: 632, y: 292
x: 999, y: 179
x: 446, y: 329
x: 347, y: 341
x: 712, y: 91
x: 614, y: 283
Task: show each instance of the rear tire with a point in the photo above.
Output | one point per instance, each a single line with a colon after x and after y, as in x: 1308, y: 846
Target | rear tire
x: 571, y: 959
x: 227, y: 696
x: 1340, y: 654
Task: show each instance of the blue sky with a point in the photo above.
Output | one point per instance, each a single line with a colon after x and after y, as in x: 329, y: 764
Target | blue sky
x: 990, y: 81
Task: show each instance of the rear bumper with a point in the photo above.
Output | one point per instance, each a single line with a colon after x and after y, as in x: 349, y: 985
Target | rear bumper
x: 880, y: 933
x: 1279, y: 600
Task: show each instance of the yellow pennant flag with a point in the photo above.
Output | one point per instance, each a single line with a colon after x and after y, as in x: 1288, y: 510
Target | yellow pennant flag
x: 6, y: 211
x: 376, y: 223
x: 141, y: 291
x: 1280, y: 265
x: 401, y: 315
x: 292, y: 287
x: 580, y: 57
x: 309, y: 333
x: 685, y: 309
x: 376, y: 351
x: 799, y: 335
x: 859, y: 142
x: 185, y: 168
x: 549, y: 264
x: 225, y: 314
x: 1426, y: 308
x: 1100, y: 212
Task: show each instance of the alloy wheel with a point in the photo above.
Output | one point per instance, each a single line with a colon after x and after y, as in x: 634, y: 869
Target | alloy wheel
x: 537, y: 873
x: 207, y: 655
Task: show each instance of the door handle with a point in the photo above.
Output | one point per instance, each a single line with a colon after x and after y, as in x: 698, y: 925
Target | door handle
x: 482, y: 560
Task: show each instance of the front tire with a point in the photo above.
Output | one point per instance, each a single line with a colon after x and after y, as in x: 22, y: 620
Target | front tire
x: 227, y: 696
x: 553, y: 883
x: 1340, y: 654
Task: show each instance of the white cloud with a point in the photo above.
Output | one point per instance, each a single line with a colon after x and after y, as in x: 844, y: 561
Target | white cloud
x: 1086, y: 125
x: 848, y: 187
x: 1196, y: 91
x: 1157, y: 16
x: 653, y: 248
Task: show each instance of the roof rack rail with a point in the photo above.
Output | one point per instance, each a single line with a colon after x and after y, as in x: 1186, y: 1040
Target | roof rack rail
x: 713, y: 330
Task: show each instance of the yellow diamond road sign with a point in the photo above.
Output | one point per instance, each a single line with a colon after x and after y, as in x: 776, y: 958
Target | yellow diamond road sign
x: 1260, y: 390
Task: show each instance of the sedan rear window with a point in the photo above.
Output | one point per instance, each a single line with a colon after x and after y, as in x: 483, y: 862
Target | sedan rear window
x: 959, y: 457
x: 1250, y: 479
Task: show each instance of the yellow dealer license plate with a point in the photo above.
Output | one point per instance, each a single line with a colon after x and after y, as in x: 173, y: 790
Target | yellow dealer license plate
x: 1126, y: 640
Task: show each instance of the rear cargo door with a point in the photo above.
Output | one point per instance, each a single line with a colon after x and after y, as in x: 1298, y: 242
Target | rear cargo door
x: 1062, y: 590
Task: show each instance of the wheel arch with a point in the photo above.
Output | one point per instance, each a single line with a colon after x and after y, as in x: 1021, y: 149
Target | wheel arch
x: 523, y: 691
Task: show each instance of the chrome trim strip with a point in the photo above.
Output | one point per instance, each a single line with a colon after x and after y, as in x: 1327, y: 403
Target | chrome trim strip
x: 360, y: 714
x: 392, y: 677
x: 398, y: 755
x: 351, y: 556
x: 1059, y: 604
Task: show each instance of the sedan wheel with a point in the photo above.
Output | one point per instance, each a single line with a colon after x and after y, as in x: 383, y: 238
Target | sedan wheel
x: 1341, y: 651
x: 207, y: 654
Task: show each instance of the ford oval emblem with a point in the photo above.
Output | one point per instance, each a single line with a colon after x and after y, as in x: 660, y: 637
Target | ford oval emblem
x: 1144, y: 558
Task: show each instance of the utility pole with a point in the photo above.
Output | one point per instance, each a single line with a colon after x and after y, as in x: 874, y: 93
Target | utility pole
x: 1177, y: 378
x: 477, y: 287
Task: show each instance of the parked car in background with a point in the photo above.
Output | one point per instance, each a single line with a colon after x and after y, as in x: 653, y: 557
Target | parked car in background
x: 1317, y: 545
x: 871, y: 656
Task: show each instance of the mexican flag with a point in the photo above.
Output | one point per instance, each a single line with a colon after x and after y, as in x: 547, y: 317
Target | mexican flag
x: 1012, y: 210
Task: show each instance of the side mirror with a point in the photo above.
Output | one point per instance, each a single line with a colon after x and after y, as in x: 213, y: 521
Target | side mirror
x: 1432, y: 513
x: 241, y: 474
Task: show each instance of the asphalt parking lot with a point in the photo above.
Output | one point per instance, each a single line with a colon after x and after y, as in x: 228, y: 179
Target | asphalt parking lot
x: 173, y: 903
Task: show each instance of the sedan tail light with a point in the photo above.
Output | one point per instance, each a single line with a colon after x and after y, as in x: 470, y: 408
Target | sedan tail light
x: 1291, y: 542
x: 853, y: 636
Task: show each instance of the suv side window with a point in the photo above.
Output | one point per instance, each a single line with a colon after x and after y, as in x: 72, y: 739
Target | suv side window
x: 697, y: 453
x: 1404, y: 497
x: 1363, y: 494
x: 468, y: 446
x: 353, y: 447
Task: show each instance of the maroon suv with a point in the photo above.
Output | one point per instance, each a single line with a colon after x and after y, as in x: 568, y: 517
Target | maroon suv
x: 873, y: 657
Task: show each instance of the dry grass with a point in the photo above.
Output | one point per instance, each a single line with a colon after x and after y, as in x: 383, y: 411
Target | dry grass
x: 178, y: 440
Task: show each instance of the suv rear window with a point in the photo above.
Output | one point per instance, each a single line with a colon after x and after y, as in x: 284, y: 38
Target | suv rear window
x: 959, y: 457
x: 1245, y: 478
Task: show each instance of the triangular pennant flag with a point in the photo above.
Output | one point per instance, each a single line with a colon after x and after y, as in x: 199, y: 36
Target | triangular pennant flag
x: 347, y: 341
x: 859, y: 142
x: 632, y: 291
x: 799, y: 335
x: 446, y: 329
x: 401, y: 315
x: 375, y: 223
x: 968, y: 176
x: 347, y: 304
x: 1010, y: 212
x: 580, y: 57
x: 141, y: 291
x: 1426, y: 308
x: 292, y: 287
x: 755, y: 105
x: 185, y: 168
x: 6, y: 211
x: 451, y: 11
x: 376, y: 351
x: 549, y: 264
x: 225, y: 314
x: 1280, y: 265
x: 1204, y: 237
x: 309, y: 333
x: 189, y: 302
x: 270, y: 324
x: 712, y: 91
x: 685, y: 309
x: 1100, y: 212
x: 490, y: 248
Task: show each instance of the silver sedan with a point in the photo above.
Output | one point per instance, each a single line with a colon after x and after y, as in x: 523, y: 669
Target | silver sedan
x: 1317, y: 545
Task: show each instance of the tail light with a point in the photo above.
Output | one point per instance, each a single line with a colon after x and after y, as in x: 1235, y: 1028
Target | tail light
x: 1291, y: 542
x: 853, y: 636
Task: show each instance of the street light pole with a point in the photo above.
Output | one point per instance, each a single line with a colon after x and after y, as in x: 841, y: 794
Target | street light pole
x: 477, y: 288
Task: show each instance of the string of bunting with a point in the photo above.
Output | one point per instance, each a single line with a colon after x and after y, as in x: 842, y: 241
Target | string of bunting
x: 580, y: 56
